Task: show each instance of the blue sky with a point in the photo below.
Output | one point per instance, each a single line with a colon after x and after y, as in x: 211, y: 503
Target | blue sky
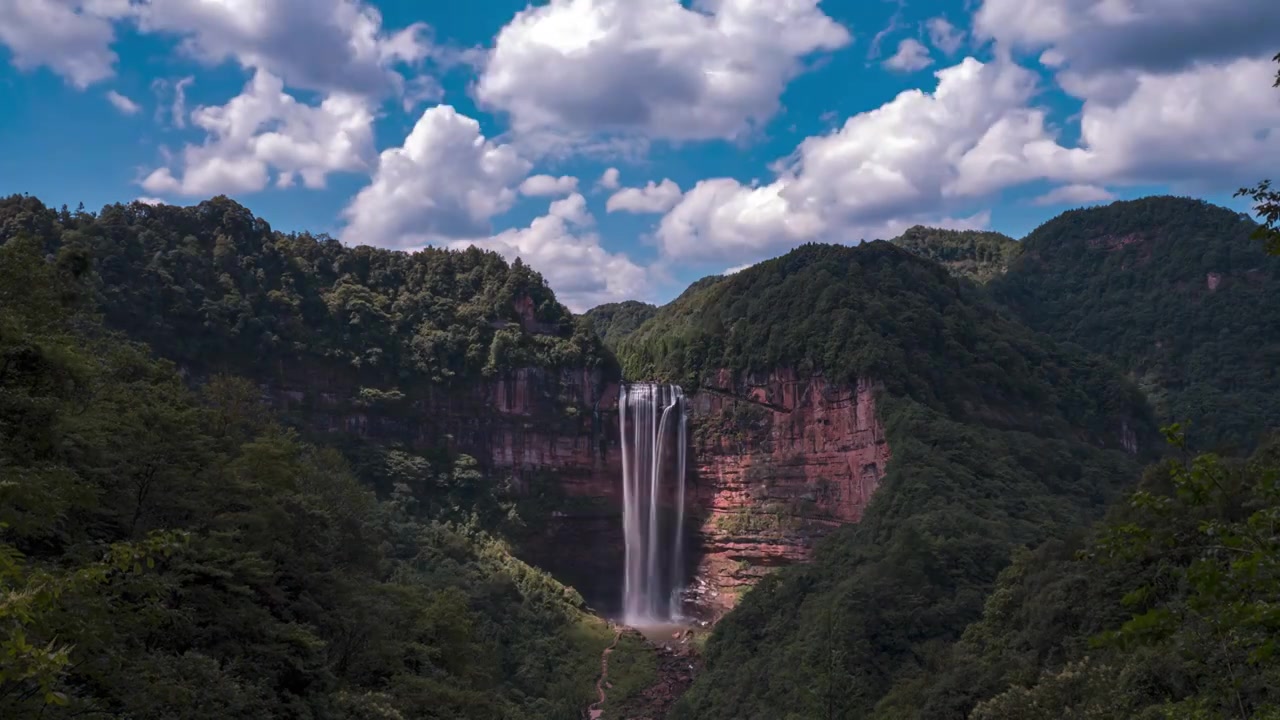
x: 762, y: 124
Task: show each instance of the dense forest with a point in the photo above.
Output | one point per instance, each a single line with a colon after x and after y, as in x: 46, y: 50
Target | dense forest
x: 1164, y: 609
x: 1177, y: 293
x: 214, y: 288
x: 614, y: 321
x: 1000, y: 438
x: 175, y: 551
x: 975, y: 254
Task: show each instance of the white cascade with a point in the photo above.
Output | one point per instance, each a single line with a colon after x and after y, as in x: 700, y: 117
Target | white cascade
x: 653, y: 422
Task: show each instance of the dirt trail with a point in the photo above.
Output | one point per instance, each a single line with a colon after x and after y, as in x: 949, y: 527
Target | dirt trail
x: 597, y: 708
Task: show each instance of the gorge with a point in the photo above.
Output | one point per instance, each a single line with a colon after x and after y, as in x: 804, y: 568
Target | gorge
x: 427, y: 482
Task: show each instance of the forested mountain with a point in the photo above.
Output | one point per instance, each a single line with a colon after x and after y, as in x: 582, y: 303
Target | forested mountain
x: 1176, y: 293
x: 975, y: 254
x: 614, y: 321
x: 214, y: 288
x: 178, y: 553
x: 1166, y: 610
x: 999, y: 438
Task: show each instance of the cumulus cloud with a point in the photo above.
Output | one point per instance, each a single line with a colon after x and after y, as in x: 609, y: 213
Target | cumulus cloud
x: 944, y: 36
x: 1088, y: 37
x: 548, y: 185
x: 150, y: 200
x: 72, y: 38
x: 652, y: 67
x: 262, y: 129
x: 562, y: 246
x: 904, y: 162
x: 912, y: 55
x: 446, y: 181
x: 122, y: 103
x: 1074, y: 194
x: 652, y: 198
x: 609, y: 179
x: 325, y: 45
x: 1212, y: 124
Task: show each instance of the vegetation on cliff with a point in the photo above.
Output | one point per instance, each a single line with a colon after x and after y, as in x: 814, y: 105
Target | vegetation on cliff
x: 1177, y: 293
x: 999, y: 437
x: 167, y: 553
x: 975, y: 254
x: 214, y: 288
x: 614, y: 321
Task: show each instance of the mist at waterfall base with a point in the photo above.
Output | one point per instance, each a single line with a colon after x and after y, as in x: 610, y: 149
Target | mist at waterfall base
x: 653, y: 422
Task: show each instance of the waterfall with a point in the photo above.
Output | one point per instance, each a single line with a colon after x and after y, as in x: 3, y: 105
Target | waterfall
x: 651, y: 416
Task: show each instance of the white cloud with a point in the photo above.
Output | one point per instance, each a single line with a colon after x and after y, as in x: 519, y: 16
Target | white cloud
x: 908, y: 160
x: 652, y: 198
x: 736, y: 269
x: 264, y: 128
x: 1213, y: 123
x: 561, y: 246
x: 912, y: 55
x: 944, y: 36
x: 1088, y: 37
x: 1074, y: 195
x: 122, y: 103
x: 72, y: 37
x: 171, y: 100
x: 446, y: 181
x: 549, y: 186
x: 609, y: 179
x: 653, y: 67
x: 325, y: 45
x: 895, y: 24
x: 150, y: 200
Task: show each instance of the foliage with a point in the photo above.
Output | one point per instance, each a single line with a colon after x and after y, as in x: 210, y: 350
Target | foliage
x: 880, y: 313
x: 978, y: 255
x: 614, y: 321
x: 1165, y: 610
x: 165, y: 554
x: 215, y: 289
x: 997, y: 439
x: 1266, y: 203
x: 633, y: 668
x: 1177, y: 294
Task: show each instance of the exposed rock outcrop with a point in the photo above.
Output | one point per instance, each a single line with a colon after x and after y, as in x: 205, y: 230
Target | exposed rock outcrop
x: 780, y: 460
x: 776, y: 461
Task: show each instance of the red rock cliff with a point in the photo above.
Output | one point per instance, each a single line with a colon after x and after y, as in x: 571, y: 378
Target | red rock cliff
x: 780, y: 460
x: 776, y: 461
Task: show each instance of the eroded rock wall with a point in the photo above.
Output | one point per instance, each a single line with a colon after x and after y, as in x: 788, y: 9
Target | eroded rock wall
x: 776, y: 461
x: 780, y: 460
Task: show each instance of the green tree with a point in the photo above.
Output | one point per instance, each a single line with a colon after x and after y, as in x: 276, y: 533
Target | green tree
x: 1266, y: 204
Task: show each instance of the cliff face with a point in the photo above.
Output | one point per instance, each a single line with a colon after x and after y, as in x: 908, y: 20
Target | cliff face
x: 780, y: 460
x: 775, y: 462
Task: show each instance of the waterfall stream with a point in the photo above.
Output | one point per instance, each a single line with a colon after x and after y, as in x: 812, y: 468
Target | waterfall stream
x: 652, y: 416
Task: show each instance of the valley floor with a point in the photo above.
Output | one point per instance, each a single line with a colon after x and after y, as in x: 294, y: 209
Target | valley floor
x: 646, y: 671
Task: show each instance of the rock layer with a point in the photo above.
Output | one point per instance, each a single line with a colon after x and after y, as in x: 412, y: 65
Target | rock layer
x: 780, y: 460
x: 776, y: 461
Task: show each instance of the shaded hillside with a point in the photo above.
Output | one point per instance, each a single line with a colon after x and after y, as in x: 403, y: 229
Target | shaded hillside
x: 1175, y: 292
x: 420, y: 352
x: 974, y: 254
x: 1163, y: 611
x: 172, y: 554
x: 998, y: 437
x: 614, y: 321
